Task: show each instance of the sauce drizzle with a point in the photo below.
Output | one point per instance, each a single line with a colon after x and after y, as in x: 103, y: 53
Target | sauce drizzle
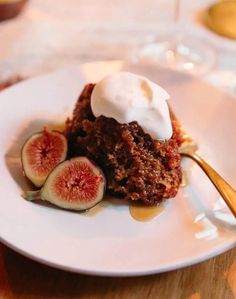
x: 145, y: 213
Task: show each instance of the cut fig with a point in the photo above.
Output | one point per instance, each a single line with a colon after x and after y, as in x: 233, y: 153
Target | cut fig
x: 75, y: 184
x: 41, y: 153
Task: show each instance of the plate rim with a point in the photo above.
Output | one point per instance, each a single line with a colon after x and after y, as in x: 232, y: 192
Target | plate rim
x: 116, y: 273
x: 121, y: 273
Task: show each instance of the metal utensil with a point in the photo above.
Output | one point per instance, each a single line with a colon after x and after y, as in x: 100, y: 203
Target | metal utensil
x: 188, y: 149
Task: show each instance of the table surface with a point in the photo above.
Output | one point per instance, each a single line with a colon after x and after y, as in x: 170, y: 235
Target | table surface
x: 111, y: 32
x: 24, y: 278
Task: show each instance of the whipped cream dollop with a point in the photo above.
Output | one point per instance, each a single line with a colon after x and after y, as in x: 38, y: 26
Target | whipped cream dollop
x: 127, y: 97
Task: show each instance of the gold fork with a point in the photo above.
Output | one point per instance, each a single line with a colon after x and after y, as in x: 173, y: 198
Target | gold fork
x: 188, y: 149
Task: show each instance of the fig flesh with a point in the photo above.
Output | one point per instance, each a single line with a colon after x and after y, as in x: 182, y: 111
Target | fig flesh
x: 41, y: 153
x: 75, y: 184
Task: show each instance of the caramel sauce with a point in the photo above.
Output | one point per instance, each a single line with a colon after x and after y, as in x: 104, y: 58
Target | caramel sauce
x: 57, y: 126
x: 185, y: 180
x: 97, y: 209
x: 137, y: 211
x: 145, y: 213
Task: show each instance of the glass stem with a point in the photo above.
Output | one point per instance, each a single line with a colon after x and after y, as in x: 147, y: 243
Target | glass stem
x: 176, y: 22
x: 177, y: 12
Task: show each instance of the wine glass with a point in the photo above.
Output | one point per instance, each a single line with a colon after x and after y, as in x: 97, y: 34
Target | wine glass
x: 177, y: 50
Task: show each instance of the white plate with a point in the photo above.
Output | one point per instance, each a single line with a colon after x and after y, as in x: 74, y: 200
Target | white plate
x: 111, y: 242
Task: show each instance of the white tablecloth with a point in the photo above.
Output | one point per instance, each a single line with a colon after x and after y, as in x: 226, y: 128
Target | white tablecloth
x: 51, y: 34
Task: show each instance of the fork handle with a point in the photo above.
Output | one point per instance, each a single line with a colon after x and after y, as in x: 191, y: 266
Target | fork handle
x: 225, y: 190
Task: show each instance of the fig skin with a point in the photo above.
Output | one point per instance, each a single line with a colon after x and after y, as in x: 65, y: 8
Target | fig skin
x: 75, y: 184
x: 41, y: 152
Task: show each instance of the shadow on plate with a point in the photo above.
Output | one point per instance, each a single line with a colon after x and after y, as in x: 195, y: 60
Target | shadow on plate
x: 13, y: 154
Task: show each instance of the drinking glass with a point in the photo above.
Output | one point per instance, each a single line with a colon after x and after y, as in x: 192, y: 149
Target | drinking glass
x: 177, y: 50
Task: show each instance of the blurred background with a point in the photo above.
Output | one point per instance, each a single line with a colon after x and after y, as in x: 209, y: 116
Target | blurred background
x: 48, y: 34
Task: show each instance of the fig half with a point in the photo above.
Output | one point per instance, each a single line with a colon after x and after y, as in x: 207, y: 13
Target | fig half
x: 75, y: 184
x: 41, y: 153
